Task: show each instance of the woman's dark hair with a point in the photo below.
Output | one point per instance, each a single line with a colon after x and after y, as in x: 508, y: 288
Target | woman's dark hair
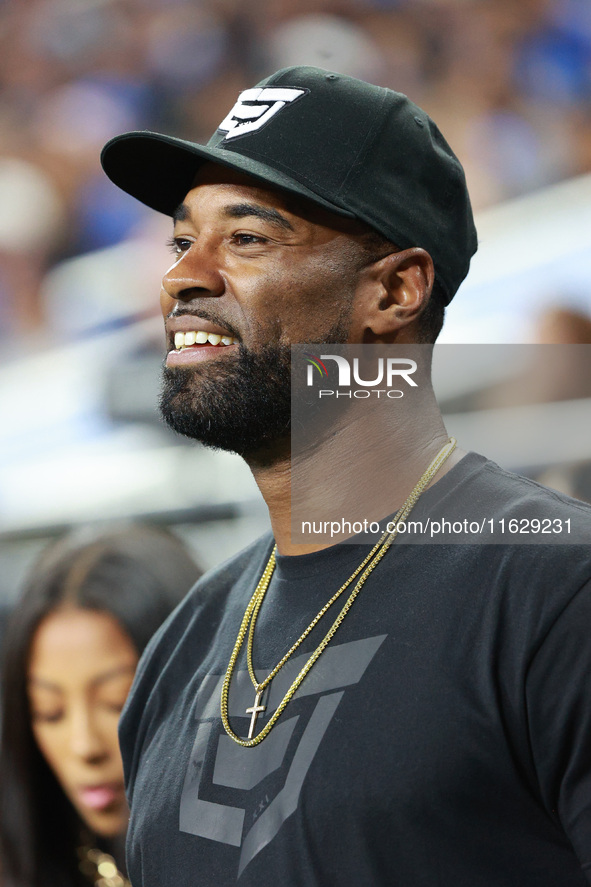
x: 135, y: 573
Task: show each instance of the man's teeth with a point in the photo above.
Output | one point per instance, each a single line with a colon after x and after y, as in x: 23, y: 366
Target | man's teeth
x: 198, y: 337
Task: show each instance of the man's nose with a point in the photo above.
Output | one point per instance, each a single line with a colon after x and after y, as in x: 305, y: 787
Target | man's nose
x: 195, y: 274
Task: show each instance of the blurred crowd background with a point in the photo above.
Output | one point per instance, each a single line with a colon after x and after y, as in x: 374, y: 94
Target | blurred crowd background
x: 508, y: 82
x: 81, y: 340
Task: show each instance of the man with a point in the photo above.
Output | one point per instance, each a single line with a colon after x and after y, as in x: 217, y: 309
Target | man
x: 432, y: 724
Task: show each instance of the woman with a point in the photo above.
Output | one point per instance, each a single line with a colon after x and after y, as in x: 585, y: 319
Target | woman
x: 71, y: 649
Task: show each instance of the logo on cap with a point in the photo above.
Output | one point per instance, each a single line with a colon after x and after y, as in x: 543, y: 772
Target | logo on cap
x: 255, y: 107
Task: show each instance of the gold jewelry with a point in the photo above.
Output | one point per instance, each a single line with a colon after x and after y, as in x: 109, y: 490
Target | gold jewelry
x: 100, y: 868
x: 250, y: 617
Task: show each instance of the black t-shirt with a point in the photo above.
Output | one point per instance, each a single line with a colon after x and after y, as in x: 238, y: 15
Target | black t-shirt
x: 442, y: 739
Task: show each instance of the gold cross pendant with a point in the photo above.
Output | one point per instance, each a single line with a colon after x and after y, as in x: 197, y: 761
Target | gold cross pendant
x: 254, y: 711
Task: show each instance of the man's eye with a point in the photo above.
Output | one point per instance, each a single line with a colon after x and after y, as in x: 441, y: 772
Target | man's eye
x: 248, y: 239
x: 178, y: 245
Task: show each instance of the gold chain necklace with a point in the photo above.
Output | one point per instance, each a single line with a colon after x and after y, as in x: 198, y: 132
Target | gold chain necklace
x: 100, y: 868
x: 252, y: 611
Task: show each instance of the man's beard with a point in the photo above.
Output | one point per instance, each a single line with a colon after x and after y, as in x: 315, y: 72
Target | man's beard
x: 239, y: 403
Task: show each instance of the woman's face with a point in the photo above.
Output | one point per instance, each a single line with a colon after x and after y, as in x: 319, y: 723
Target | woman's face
x: 80, y: 671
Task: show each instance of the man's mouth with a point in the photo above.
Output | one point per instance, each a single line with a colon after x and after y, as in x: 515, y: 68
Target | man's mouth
x: 200, y: 337
x: 195, y: 346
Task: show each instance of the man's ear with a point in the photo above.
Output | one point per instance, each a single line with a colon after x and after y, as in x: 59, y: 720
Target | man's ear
x: 396, y: 293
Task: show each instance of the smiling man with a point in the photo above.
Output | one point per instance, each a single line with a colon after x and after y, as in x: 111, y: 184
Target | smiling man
x: 346, y: 714
x: 264, y: 257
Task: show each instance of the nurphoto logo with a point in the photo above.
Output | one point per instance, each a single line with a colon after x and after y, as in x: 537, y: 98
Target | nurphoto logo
x: 384, y: 372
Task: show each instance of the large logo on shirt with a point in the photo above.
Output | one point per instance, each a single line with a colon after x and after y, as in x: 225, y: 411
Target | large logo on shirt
x: 256, y: 107
x: 254, y: 824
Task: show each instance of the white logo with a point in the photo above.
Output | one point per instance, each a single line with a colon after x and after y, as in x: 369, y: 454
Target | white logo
x: 395, y: 366
x: 255, y: 107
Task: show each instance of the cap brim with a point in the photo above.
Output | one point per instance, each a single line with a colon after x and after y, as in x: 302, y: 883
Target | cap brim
x: 159, y: 170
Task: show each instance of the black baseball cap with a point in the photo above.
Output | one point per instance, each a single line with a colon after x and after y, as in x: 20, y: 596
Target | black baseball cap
x: 359, y: 150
